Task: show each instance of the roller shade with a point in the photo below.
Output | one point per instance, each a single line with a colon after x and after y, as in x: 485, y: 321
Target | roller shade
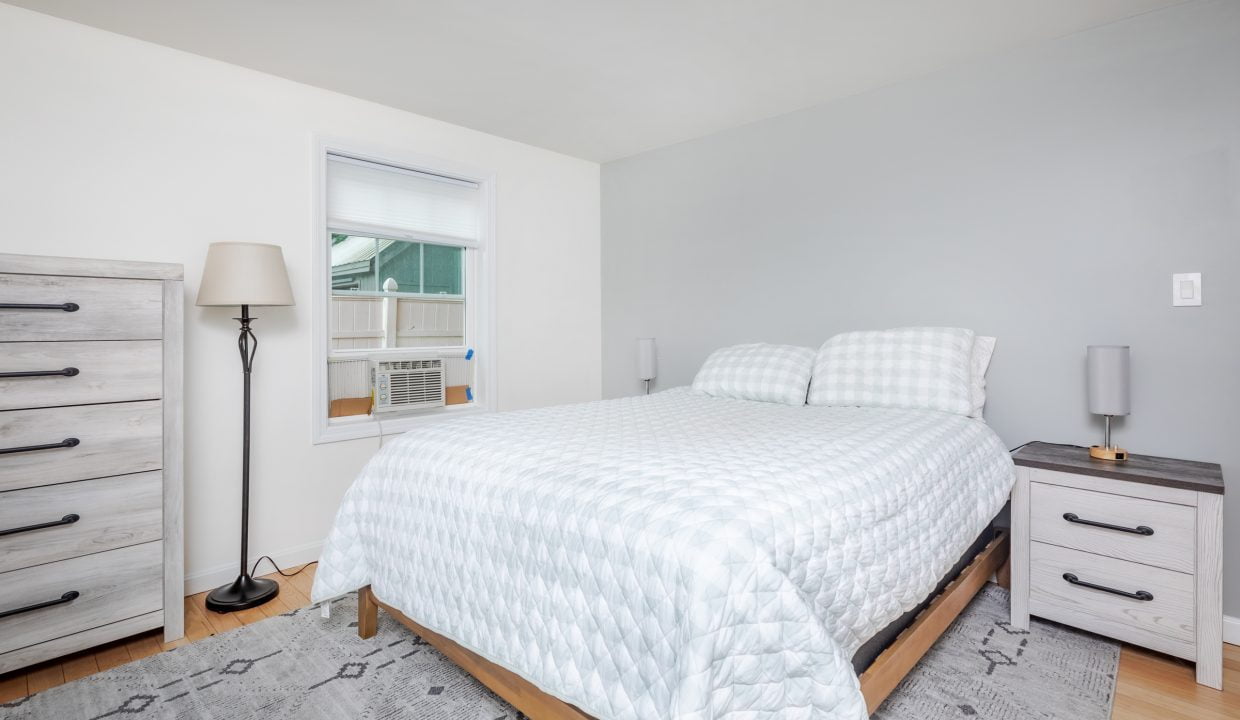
x: 366, y: 198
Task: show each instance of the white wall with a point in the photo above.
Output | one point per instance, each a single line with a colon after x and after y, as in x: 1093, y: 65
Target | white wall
x: 1044, y: 196
x: 115, y: 148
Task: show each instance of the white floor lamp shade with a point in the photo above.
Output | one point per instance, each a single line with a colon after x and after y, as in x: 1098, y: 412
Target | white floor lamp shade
x: 244, y: 273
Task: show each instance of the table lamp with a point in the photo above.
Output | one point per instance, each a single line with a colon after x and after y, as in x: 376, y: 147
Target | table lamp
x: 245, y: 274
x: 646, y: 361
x: 1108, y: 393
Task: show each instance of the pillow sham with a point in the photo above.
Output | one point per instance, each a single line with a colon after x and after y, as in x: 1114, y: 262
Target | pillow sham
x: 923, y: 368
x: 983, y: 348
x: 762, y: 372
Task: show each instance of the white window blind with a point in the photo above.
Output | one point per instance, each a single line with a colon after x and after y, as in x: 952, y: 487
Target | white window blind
x: 368, y: 198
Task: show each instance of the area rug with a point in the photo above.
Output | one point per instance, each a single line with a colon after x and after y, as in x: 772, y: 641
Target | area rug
x: 299, y: 666
x: 983, y: 668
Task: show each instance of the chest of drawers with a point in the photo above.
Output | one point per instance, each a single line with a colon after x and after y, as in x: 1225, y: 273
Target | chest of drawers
x: 1128, y: 550
x: 90, y: 454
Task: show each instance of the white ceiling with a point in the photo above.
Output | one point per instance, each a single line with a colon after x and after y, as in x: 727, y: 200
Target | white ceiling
x: 598, y: 79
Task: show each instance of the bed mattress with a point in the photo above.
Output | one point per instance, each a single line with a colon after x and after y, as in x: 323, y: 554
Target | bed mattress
x: 673, y: 555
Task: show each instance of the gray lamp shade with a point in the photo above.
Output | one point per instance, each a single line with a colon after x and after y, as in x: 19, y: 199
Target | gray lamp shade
x: 242, y: 273
x: 647, y: 362
x: 1108, y: 379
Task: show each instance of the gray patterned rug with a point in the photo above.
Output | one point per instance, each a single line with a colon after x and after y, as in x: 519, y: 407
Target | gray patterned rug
x: 299, y: 666
x: 983, y: 669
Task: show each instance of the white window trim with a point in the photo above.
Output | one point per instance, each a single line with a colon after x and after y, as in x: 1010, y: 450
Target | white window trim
x: 480, y: 292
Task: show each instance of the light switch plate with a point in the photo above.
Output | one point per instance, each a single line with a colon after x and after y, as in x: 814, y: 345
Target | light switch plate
x: 1186, y: 289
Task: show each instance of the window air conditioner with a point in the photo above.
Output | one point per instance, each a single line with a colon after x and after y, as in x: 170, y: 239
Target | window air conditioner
x: 407, y: 384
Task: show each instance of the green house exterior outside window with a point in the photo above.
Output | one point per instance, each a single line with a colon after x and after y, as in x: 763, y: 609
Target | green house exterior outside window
x: 365, y: 264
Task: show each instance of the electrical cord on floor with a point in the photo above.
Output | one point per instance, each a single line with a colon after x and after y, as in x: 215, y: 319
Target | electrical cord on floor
x: 277, y: 567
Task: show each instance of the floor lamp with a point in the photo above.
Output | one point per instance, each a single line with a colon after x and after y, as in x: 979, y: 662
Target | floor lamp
x: 245, y: 274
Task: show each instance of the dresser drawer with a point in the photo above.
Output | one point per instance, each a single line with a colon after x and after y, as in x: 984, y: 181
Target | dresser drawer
x: 1171, y: 544
x: 110, y: 513
x: 111, y: 440
x: 1165, y: 623
x: 100, y: 372
x: 111, y: 586
x: 106, y: 308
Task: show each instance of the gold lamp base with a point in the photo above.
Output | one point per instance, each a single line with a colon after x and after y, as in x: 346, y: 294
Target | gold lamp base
x: 1102, y: 452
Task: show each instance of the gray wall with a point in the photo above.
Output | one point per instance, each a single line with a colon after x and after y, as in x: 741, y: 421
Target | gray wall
x: 1045, y: 197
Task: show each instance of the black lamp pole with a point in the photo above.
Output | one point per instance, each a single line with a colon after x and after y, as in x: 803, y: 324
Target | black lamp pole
x: 245, y: 591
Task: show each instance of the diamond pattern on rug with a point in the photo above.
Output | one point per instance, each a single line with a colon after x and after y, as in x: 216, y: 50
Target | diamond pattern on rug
x: 298, y: 666
x: 982, y: 667
x: 294, y: 666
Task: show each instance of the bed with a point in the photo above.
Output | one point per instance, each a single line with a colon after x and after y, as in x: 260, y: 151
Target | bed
x: 674, y: 555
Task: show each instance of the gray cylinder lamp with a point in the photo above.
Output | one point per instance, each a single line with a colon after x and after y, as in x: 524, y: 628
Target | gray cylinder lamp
x: 1109, y: 377
x: 647, y: 361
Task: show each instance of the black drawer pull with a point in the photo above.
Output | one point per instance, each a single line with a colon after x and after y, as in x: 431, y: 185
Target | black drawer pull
x: 1138, y: 530
x: 66, y: 598
x: 1138, y: 595
x: 66, y: 520
x: 67, y: 307
x: 67, y: 372
x: 66, y: 443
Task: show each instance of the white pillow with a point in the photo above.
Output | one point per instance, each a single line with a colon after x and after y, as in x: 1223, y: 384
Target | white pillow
x: 983, y: 348
x: 921, y: 368
x: 767, y: 373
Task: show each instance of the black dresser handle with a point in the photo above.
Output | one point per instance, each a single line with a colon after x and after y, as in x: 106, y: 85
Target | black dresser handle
x: 66, y: 598
x: 67, y: 372
x: 66, y: 520
x: 66, y: 443
x: 1138, y: 530
x: 1138, y: 595
x: 67, y: 307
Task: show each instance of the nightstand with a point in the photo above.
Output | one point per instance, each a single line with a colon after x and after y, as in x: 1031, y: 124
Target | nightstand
x: 1129, y: 550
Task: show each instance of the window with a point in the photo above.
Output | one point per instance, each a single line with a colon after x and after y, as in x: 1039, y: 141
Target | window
x: 406, y: 282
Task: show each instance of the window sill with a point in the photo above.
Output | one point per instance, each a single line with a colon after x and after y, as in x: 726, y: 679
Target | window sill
x: 366, y: 426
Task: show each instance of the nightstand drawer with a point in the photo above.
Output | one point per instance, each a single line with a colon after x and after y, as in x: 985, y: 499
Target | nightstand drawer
x: 1165, y: 622
x: 1165, y: 533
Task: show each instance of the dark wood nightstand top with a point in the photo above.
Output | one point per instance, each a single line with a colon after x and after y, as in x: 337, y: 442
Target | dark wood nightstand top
x: 1167, y: 472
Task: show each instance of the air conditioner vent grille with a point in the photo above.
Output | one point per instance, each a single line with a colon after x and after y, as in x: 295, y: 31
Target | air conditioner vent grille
x: 390, y: 365
x: 408, y: 384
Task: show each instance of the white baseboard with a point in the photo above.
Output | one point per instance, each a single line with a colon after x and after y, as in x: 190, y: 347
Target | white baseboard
x: 224, y: 574
x: 1231, y: 630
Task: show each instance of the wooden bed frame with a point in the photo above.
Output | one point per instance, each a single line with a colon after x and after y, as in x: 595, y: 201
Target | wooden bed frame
x: 877, y: 682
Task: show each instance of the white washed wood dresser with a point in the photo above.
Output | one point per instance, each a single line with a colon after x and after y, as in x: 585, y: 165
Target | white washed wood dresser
x: 1131, y: 550
x: 90, y: 454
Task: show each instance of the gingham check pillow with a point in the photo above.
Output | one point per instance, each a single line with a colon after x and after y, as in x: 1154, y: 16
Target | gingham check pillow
x: 767, y: 373
x: 918, y: 368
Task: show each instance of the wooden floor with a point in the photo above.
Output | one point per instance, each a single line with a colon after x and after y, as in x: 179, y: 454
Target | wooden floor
x: 1150, y: 686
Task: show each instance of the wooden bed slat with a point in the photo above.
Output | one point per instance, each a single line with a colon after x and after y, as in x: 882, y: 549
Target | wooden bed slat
x: 890, y: 667
x: 877, y: 682
x: 519, y: 692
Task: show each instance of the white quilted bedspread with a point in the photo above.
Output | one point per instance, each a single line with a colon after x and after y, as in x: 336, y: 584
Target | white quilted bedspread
x: 673, y: 555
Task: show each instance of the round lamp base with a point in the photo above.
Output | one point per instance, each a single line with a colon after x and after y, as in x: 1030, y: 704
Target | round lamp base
x: 1113, y: 454
x: 244, y: 592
